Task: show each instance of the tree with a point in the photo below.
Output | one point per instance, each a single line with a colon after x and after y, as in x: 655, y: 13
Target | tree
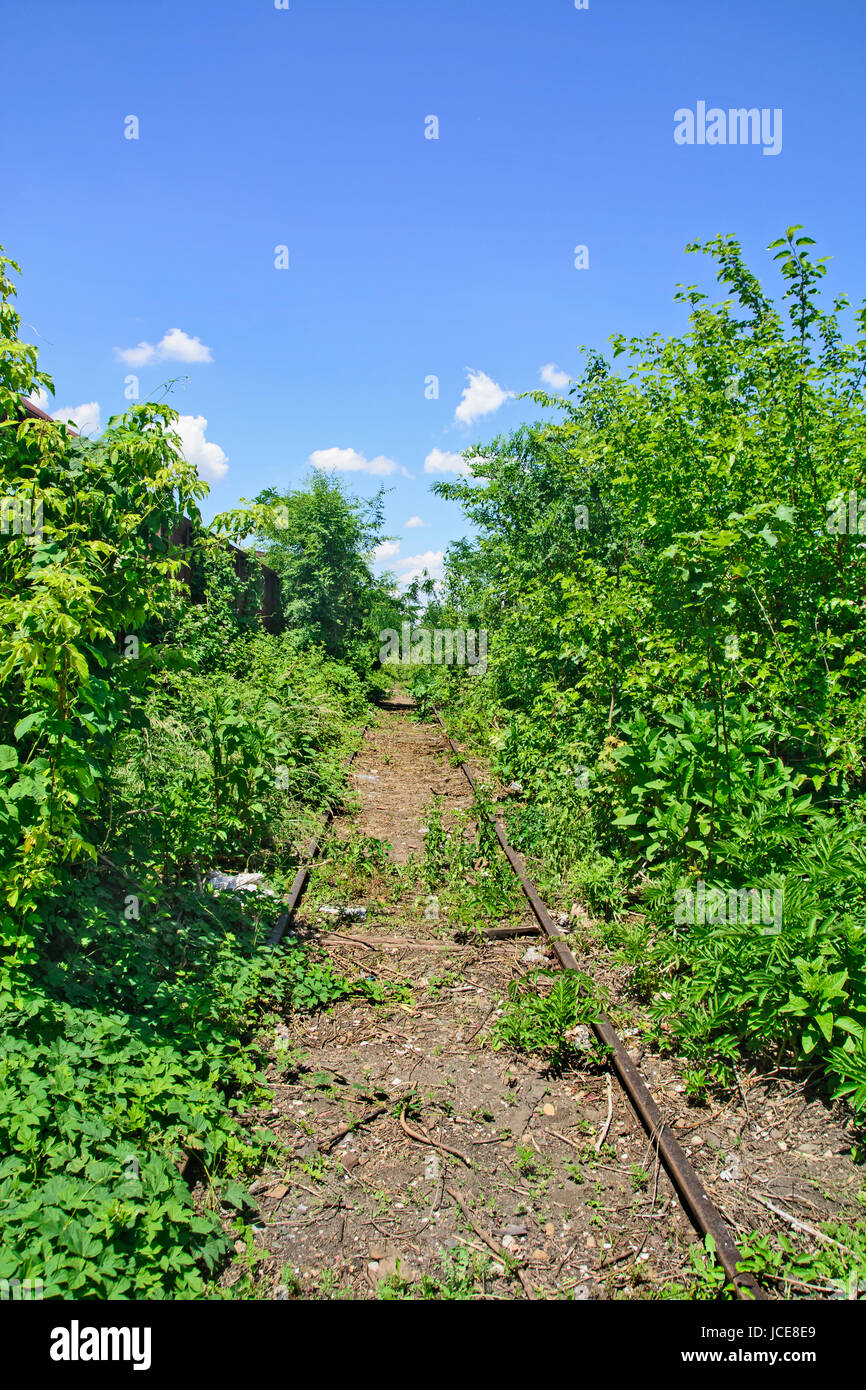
x: 94, y: 571
x: 320, y: 540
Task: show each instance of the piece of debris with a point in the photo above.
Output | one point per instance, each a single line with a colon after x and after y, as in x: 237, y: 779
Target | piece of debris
x: 534, y: 957
x: 238, y: 883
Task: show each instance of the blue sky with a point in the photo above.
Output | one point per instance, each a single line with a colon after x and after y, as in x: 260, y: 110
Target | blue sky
x: 408, y: 257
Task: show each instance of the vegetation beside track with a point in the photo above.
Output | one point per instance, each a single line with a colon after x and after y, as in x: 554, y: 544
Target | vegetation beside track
x: 673, y: 598
x: 145, y: 741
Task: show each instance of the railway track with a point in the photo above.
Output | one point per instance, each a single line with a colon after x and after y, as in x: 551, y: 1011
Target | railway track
x: 707, y: 1219
x: 411, y: 1132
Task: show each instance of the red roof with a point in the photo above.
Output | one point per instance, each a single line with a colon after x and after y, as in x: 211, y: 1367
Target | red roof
x: 37, y: 413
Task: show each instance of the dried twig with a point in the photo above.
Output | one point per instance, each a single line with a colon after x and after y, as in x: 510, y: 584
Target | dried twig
x: 565, y: 1139
x: 491, y: 1243
x: 422, y: 1137
x: 332, y: 1139
x: 601, y: 1138
x: 803, y: 1226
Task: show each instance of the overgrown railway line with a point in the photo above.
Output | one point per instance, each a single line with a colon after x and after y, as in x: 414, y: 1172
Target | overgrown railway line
x: 706, y: 1217
x: 410, y: 1135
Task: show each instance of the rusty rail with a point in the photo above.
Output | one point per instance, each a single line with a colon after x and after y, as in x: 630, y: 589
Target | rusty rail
x: 705, y: 1217
x: 299, y: 882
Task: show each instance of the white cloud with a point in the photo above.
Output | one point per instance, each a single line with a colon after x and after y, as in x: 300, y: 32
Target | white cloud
x: 42, y: 398
x: 413, y: 566
x: 208, y: 458
x: 440, y: 461
x: 409, y: 567
x: 554, y: 377
x: 386, y: 550
x: 137, y: 356
x: 352, y: 461
x: 481, y: 397
x: 174, y: 346
x: 414, y: 521
x: 86, y: 417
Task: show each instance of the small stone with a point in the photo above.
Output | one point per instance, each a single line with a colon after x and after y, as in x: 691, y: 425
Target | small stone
x: 550, y: 1229
x: 540, y: 1255
x: 548, y: 1109
x: 515, y: 1231
x: 581, y: 1293
x: 533, y: 957
x: 395, y: 1264
x: 277, y: 1192
x: 508, y: 1242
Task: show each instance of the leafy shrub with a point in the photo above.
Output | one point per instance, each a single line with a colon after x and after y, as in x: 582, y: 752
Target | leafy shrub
x: 675, y: 610
x: 545, y: 1021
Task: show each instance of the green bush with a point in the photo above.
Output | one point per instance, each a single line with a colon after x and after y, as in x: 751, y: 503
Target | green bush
x: 675, y: 682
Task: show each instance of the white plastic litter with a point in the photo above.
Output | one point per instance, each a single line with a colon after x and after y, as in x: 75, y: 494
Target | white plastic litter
x: 238, y: 883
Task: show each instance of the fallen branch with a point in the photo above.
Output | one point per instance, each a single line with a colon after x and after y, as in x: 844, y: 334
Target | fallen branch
x: 565, y: 1139
x: 325, y: 1144
x: 422, y: 1137
x: 499, y: 1250
x: 378, y: 943
x: 805, y: 1227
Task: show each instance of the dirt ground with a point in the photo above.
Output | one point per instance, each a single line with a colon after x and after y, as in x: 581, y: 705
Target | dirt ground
x: 424, y: 1163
